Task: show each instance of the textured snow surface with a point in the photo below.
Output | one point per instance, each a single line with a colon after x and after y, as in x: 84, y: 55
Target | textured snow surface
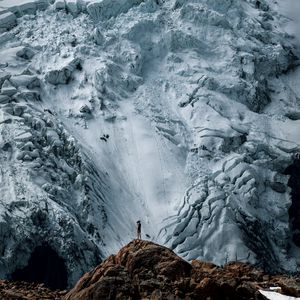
x: 183, y: 114
x: 276, y: 296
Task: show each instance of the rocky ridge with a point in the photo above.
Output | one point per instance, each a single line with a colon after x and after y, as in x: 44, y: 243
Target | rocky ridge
x: 144, y: 270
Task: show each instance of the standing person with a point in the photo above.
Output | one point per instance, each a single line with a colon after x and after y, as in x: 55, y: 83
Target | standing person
x: 139, y: 229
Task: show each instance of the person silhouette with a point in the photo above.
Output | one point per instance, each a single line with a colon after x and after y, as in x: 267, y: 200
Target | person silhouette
x: 139, y: 229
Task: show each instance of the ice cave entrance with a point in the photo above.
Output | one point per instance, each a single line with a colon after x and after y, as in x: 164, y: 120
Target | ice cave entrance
x: 44, y: 266
x: 294, y: 211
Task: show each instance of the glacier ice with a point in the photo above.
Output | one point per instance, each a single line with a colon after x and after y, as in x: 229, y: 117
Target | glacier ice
x: 200, y: 100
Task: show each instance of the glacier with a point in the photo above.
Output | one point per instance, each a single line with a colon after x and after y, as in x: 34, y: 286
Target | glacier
x: 184, y: 114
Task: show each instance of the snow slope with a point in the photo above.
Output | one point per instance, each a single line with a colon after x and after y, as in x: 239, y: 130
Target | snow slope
x: 276, y: 296
x: 184, y: 114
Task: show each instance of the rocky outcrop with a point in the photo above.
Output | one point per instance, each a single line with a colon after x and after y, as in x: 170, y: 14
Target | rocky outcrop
x: 144, y: 270
x: 27, y: 291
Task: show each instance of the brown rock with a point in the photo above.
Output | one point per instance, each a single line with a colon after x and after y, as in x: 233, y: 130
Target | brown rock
x: 27, y: 291
x: 289, y: 286
x: 144, y: 270
x: 206, y: 288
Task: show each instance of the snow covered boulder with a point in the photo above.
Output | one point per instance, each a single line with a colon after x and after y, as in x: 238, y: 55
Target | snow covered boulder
x: 72, y: 7
x: 59, y: 4
x: 19, y: 109
x: 7, y: 21
x: 27, y: 95
x: 28, y: 81
x: 8, y: 89
x: 25, y: 52
x: 4, y: 99
x: 106, y: 9
x: 6, y: 36
x: 3, y: 76
x: 64, y: 75
x: 86, y: 112
x: 24, y: 7
x: 98, y: 37
x: 85, y: 109
x: 56, y: 77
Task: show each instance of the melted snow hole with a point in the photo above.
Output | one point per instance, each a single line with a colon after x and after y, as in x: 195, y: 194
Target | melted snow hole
x: 44, y: 266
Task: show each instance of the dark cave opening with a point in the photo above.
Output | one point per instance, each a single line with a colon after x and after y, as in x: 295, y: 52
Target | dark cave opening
x: 294, y: 211
x: 44, y: 266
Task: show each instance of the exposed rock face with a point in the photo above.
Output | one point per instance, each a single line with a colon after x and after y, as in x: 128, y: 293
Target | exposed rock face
x: 144, y: 270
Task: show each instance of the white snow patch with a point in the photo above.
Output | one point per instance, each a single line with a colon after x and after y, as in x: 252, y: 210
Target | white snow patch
x: 276, y: 296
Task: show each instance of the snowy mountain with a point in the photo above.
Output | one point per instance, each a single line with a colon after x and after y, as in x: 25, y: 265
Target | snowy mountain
x: 184, y: 114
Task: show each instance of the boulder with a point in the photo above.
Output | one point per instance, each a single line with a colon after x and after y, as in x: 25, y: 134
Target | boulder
x: 85, y: 109
x: 72, y: 7
x: 3, y: 76
x: 25, y: 52
x: 27, y: 95
x: 7, y: 21
x: 4, y: 99
x: 63, y: 75
x: 19, y: 109
x: 4, y: 37
x: 60, y: 4
x: 98, y: 37
x: 8, y: 89
x: 28, y: 81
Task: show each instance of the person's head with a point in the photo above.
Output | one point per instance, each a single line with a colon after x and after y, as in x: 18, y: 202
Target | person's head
x: 138, y: 222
